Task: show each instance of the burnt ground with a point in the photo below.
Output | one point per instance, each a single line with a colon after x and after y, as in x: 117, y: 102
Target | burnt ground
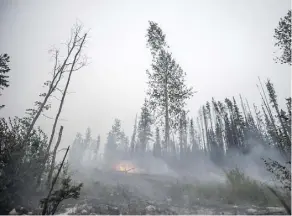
x: 132, y: 193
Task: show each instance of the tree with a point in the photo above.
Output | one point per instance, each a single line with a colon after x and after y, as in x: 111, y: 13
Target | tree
x: 19, y: 164
x: 144, y: 127
x: 96, y: 149
x: 167, y: 90
x: 157, y: 144
x: 283, y: 39
x: 76, y: 44
x: 74, y: 61
x: 116, y: 140
x: 74, y: 155
x: 192, y: 136
x: 4, y: 69
x: 273, y: 100
x: 183, y: 135
x: 133, y: 138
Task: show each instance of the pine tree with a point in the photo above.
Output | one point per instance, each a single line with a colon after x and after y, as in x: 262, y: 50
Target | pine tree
x: 96, y: 149
x: 157, y: 144
x: 167, y: 90
x: 283, y: 39
x: 4, y: 69
x: 88, y: 138
x: 75, y: 154
x: 133, y: 139
x: 273, y: 99
x: 192, y: 136
x: 183, y: 135
x: 144, y: 127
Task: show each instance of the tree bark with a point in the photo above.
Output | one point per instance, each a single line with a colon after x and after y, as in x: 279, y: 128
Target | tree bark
x: 53, y: 184
x: 54, y: 157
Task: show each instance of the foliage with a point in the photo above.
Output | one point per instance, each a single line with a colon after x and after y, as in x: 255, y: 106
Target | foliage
x: 166, y: 84
x: 4, y: 69
x: 66, y: 191
x: 19, y: 164
x: 238, y: 189
x: 283, y: 39
x: 144, y: 128
x: 281, y: 172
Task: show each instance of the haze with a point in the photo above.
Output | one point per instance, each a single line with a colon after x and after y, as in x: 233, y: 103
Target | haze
x: 223, y: 46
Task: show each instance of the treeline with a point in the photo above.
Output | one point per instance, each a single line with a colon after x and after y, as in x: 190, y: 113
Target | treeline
x: 222, y: 128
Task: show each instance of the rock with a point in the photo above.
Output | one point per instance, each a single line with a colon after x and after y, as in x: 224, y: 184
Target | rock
x: 84, y: 212
x: 22, y: 211
x: 251, y: 210
x: 13, y: 212
x: 150, y: 209
x: 113, y: 210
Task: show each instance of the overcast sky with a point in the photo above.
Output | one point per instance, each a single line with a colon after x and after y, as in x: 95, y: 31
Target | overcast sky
x: 223, y: 46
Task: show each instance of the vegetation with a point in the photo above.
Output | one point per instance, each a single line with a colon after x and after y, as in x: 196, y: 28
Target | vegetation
x: 238, y: 189
x: 26, y: 161
x: 4, y: 69
x: 283, y: 39
x: 223, y: 132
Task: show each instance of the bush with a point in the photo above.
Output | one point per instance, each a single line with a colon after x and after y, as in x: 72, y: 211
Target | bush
x: 238, y: 189
x: 19, y: 163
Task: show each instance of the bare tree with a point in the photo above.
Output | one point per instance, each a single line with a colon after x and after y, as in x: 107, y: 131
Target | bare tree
x: 76, y: 43
x: 60, y: 68
x: 74, y: 61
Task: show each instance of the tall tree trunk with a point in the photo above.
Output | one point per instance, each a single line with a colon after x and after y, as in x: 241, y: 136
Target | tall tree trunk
x: 64, y: 95
x: 57, y: 75
x: 166, y: 116
x: 53, y: 184
x: 54, y: 158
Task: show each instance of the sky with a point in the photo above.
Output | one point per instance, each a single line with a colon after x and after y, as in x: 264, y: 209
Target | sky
x: 223, y: 46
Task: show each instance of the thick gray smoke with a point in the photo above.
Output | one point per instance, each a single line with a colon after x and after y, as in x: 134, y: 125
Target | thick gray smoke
x: 200, y: 168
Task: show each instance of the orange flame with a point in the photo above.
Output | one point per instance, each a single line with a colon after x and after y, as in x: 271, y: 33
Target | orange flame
x: 125, y: 166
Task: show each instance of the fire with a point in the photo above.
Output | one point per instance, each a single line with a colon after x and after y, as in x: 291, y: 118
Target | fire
x: 126, y: 166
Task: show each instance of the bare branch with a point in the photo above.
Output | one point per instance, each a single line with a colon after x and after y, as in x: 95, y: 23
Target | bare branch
x: 53, y: 118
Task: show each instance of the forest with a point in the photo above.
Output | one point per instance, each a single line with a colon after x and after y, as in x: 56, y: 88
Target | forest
x: 227, y: 153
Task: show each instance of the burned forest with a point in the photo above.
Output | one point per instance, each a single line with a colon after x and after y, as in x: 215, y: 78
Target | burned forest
x: 230, y: 154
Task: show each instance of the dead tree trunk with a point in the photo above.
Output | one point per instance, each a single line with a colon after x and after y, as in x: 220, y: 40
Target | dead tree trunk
x: 54, y: 157
x: 73, y: 64
x: 75, y: 44
x: 58, y: 72
x: 53, y: 184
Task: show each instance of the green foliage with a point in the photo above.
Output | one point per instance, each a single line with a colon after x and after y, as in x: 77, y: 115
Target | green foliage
x: 144, y: 128
x: 157, y: 144
x: 166, y: 84
x: 283, y: 39
x: 242, y: 188
x: 4, y: 69
x: 66, y: 191
x: 20, y: 164
x: 281, y: 172
x: 238, y: 189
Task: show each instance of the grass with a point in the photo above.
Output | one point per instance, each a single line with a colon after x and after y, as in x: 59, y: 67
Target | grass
x: 238, y: 189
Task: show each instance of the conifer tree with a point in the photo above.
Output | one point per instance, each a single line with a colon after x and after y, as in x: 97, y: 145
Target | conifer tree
x: 273, y: 100
x: 283, y: 39
x: 133, y: 138
x: 157, y: 144
x: 167, y: 90
x: 144, y: 127
x: 4, y: 69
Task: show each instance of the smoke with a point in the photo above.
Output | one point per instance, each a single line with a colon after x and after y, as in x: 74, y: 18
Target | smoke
x: 151, y: 171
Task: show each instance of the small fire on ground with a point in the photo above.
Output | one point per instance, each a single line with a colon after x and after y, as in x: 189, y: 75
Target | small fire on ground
x: 126, y: 166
